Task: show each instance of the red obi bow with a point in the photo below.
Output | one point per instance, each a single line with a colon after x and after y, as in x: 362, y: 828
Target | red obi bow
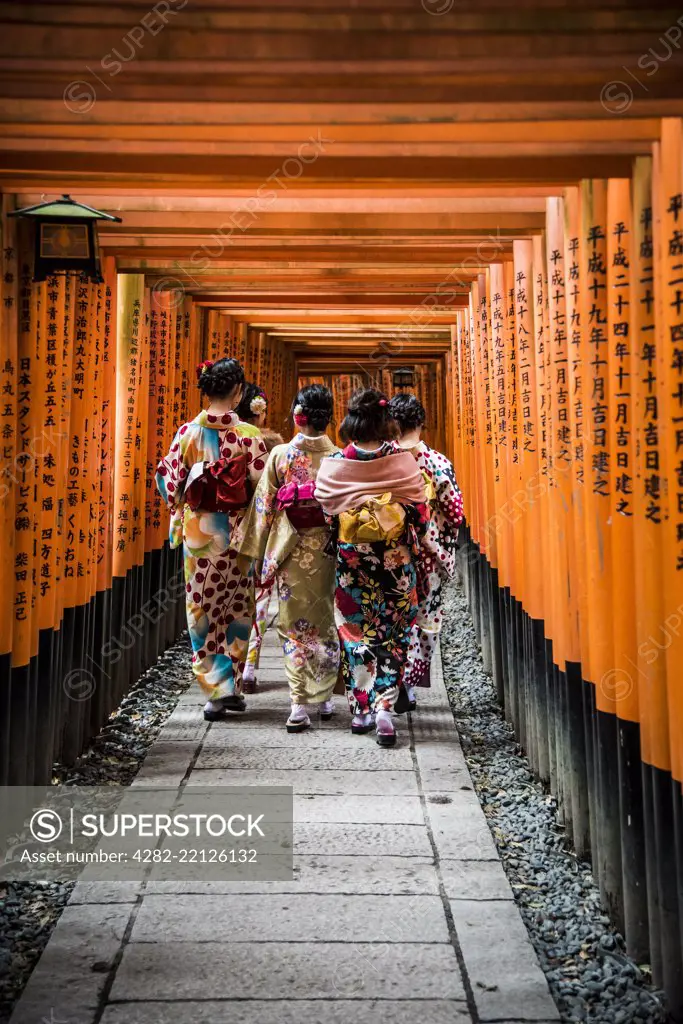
x: 221, y: 487
x: 294, y: 493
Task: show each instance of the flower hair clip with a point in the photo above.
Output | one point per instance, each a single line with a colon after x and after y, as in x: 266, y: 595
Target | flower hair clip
x: 258, y: 405
x: 300, y: 417
x: 383, y: 402
x: 203, y: 367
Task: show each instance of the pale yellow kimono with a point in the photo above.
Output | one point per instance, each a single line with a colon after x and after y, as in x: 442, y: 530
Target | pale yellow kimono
x: 303, y: 569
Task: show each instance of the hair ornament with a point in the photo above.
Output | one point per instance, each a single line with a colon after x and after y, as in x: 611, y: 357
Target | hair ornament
x: 258, y: 405
x: 203, y: 367
x: 300, y: 417
x: 383, y: 402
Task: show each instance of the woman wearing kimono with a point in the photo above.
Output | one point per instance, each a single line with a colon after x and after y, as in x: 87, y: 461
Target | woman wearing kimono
x: 212, y: 466
x: 375, y: 497
x: 438, y: 544
x: 253, y: 408
x: 285, y: 533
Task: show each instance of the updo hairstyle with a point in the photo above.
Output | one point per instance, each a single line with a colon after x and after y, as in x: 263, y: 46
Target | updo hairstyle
x: 368, y: 418
x: 408, y: 411
x: 313, y: 407
x: 219, y: 379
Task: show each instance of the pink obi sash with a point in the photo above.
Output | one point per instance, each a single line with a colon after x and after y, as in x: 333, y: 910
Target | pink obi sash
x: 297, y: 500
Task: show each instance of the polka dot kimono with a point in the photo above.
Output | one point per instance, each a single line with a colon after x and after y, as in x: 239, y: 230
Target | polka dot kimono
x: 438, y: 560
x: 219, y: 598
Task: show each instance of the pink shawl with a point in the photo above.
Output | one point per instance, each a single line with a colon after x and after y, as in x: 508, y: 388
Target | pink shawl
x: 342, y: 484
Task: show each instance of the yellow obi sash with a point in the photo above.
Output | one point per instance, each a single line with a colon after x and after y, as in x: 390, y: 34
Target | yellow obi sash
x: 378, y: 519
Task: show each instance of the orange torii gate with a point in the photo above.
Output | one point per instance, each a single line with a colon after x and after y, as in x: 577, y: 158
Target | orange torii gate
x: 96, y: 379
x: 572, y: 494
x: 495, y: 186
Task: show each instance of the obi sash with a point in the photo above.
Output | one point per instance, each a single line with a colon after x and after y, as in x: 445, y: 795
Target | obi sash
x: 378, y: 519
x: 219, y: 486
x: 301, y: 508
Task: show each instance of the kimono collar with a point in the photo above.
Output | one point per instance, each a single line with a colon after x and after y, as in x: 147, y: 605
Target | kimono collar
x: 419, y: 446
x: 205, y: 419
x: 314, y: 444
x: 353, y: 451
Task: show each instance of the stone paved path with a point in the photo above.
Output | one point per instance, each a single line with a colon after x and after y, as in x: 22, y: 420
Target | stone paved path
x: 399, y: 911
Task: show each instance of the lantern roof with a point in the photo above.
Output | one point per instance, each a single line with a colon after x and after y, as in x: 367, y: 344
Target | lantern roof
x: 64, y: 207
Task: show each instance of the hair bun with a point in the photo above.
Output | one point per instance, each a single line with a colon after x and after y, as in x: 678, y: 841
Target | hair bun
x: 368, y: 417
x: 218, y: 379
x: 367, y: 399
x: 407, y: 410
x: 313, y: 407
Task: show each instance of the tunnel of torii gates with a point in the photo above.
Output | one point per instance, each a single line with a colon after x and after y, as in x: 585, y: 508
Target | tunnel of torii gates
x: 488, y: 194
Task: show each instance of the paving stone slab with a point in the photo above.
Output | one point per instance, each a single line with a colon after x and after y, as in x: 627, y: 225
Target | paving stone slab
x: 290, y: 918
x: 475, y: 880
x: 322, y: 781
x: 354, y: 809
x: 158, y: 777
x: 362, y: 840
x: 434, y: 724
x: 267, y: 715
x: 269, y: 694
x: 298, y: 970
x: 443, y: 779
x: 437, y: 755
x: 105, y: 892
x: 369, y: 757
x: 184, y: 732
x: 507, y: 981
x: 67, y: 982
x: 459, y: 826
x: 187, y: 713
x: 254, y: 734
x: 192, y: 698
x: 298, y: 1011
x: 325, y: 874
x: 171, y: 755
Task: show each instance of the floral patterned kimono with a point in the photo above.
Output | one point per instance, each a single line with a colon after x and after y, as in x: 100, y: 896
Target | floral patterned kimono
x: 438, y: 559
x: 376, y: 603
x: 263, y: 597
x: 300, y: 563
x: 219, y: 596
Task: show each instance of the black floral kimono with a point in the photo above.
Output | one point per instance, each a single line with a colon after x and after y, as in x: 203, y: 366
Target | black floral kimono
x: 376, y: 600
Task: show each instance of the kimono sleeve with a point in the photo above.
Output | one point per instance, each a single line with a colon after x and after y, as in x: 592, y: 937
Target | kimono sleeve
x: 251, y: 536
x: 172, y: 473
x: 257, y: 457
x: 170, y: 480
x: 448, y: 493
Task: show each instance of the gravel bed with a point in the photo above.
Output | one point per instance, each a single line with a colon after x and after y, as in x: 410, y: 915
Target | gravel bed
x: 30, y: 910
x: 584, y: 958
